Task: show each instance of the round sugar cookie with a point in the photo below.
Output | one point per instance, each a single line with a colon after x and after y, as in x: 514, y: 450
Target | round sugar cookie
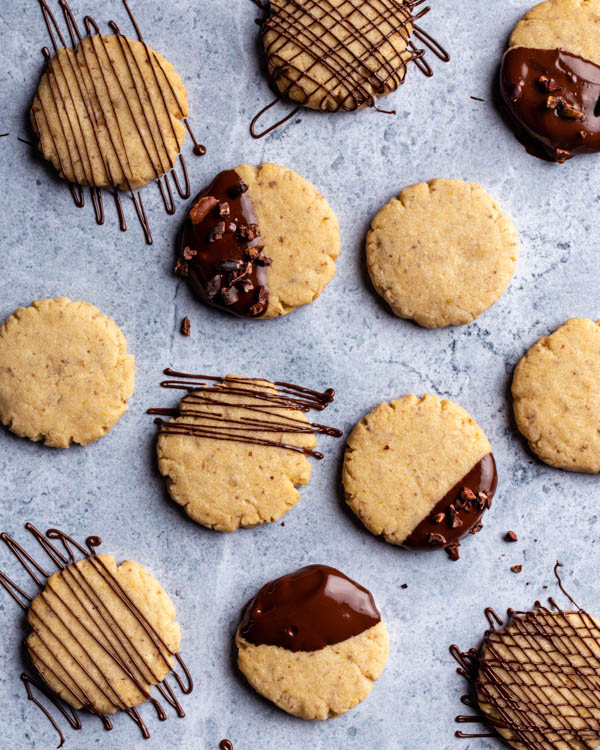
x: 259, y: 242
x: 337, y: 55
x: 556, y: 397
x: 538, y: 680
x: 442, y: 252
x: 550, y: 79
x: 313, y: 643
x: 420, y: 472
x: 106, y: 113
x: 225, y: 484
x: 65, y: 374
x: 87, y: 643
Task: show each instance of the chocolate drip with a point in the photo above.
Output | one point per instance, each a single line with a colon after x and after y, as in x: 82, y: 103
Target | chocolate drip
x: 353, y: 54
x: 221, y: 251
x: 156, y: 150
x: 543, y: 638
x: 114, y: 641
x: 552, y: 99
x: 314, y: 607
x: 459, y: 511
x: 262, y: 418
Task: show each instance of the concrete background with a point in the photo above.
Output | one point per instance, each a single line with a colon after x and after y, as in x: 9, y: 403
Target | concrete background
x: 347, y: 339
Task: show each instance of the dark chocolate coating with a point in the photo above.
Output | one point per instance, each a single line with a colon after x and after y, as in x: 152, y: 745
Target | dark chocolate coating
x: 553, y: 101
x: 483, y: 478
x: 314, y: 607
x: 208, y: 252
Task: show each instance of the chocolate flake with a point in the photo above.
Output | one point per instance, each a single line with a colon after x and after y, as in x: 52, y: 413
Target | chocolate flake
x: 517, y: 568
x: 188, y: 253
x: 435, y: 540
x: 223, y: 210
x: 452, y: 551
x: 230, y: 296
x: 181, y: 268
x: 185, y: 326
x: 510, y: 536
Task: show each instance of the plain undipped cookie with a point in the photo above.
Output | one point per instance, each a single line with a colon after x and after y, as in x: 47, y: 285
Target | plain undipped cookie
x: 65, y: 374
x: 266, y: 219
x: 337, y: 55
x: 406, y: 457
x: 106, y: 113
x: 442, y: 252
x: 313, y: 643
x: 226, y: 484
x: 556, y: 397
x: 87, y: 644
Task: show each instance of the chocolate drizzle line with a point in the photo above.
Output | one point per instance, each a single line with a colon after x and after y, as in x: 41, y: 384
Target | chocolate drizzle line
x: 315, y: 607
x: 459, y: 511
x: 221, y: 251
x: 552, y: 99
x: 355, y: 72
x: 539, y: 633
x: 156, y: 151
x: 262, y: 418
x: 104, y: 621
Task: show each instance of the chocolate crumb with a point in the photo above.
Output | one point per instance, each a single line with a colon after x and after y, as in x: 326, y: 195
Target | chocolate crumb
x: 510, y: 536
x: 435, y: 539
x: 213, y: 287
x: 262, y: 260
x: 223, y: 209
x: 217, y: 232
x: 452, y: 551
x: 439, y: 518
x: 476, y: 528
x: 283, y: 523
x: 237, y: 190
x: 181, y: 268
x: 404, y: 586
x: 230, y: 296
x: 185, y: 326
x: 517, y: 568
x: 188, y: 253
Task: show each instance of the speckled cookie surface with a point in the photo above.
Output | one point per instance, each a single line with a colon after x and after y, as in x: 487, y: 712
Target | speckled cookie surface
x: 442, y: 252
x: 106, y: 113
x: 77, y: 653
x: 403, y: 457
x: 300, y: 233
x: 225, y: 485
x: 340, y: 54
x: 556, y: 397
x: 320, y: 684
x: 538, y: 680
x: 65, y: 374
x: 571, y: 25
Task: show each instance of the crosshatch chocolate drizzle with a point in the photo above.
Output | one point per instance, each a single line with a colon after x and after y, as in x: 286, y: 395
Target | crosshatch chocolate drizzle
x: 535, y: 717
x: 78, y: 153
x: 220, y: 249
x: 459, y: 511
x: 349, y: 75
x: 103, y: 620
x: 314, y: 607
x: 261, y: 417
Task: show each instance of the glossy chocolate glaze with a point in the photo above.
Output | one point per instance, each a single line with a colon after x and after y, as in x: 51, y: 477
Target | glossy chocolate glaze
x: 532, y: 720
x: 137, y: 669
x: 214, y: 240
x: 455, y: 514
x: 314, y: 607
x: 553, y: 101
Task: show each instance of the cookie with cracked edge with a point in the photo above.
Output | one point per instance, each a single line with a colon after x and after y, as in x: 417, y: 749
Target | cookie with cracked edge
x: 442, y: 252
x: 556, y: 397
x: 312, y: 642
x: 65, y: 373
x: 419, y: 472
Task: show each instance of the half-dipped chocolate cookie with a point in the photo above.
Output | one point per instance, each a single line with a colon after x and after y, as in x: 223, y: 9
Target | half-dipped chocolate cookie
x: 550, y: 79
x: 258, y: 242
x: 420, y: 472
x: 313, y: 642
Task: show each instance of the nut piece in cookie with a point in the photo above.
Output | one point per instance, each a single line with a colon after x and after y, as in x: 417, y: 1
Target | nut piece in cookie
x: 556, y: 397
x: 258, y: 242
x: 442, y: 252
x: 313, y: 642
x: 550, y: 79
x: 420, y: 472
x: 65, y: 374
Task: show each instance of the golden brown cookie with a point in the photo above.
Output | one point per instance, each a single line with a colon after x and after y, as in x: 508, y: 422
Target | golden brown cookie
x: 65, y: 374
x: 556, y: 397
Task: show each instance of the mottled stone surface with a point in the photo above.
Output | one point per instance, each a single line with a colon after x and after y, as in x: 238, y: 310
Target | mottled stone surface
x: 347, y: 339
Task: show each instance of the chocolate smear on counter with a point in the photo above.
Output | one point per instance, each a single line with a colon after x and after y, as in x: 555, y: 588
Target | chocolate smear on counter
x: 221, y: 248
x: 263, y: 407
x: 552, y: 99
x: 458, y: 512
x: 544, y: 639
x: 90, y: 120
x: 63, y: 556
x: 333, y: 51
x: 314, y: 607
